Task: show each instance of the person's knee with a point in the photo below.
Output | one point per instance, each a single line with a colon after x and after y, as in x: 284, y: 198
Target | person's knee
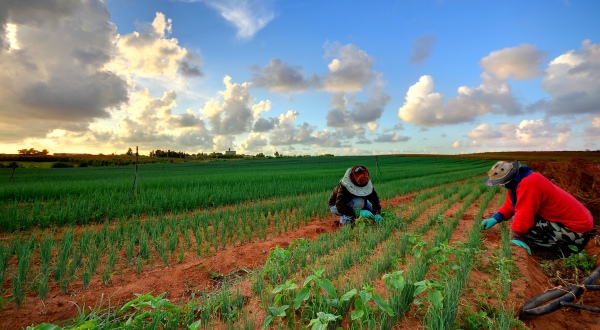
x: 357, y: 203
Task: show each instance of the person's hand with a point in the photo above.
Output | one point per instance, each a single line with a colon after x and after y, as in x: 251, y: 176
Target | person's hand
x: 378, y: 219
x: 521, y: 244
x: 488, y: 223
x: 366, y: 214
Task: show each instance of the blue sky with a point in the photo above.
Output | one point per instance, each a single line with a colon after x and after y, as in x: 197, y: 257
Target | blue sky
x: 299, y: 77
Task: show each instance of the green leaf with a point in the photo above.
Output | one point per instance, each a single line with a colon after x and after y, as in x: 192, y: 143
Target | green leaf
x: 383, y: 305
x: 328, y: 287
x: 302, y: 296
x: 436, y: 298
x: 278, y: 311
x: 268, y: 321
x: 365, y: 296
x: 348, y: 295
x: 89, y: 324
x: 357, y: 314
x: 420, y: 287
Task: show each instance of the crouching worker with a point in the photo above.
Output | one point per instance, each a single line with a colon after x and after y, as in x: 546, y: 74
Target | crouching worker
x: 543, y: 214
x: 355, y: 191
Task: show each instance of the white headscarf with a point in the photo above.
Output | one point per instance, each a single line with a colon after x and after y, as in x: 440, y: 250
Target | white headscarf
x: 354, y: 189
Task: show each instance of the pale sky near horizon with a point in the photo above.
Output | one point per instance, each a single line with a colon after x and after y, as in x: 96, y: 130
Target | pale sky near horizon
x: 299, y: 77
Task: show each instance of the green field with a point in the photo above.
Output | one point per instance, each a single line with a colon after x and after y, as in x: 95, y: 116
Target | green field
x: 67, y: 227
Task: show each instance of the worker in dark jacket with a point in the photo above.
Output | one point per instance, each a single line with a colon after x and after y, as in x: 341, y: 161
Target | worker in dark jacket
x: 543, y: 215
x: 355, y: 191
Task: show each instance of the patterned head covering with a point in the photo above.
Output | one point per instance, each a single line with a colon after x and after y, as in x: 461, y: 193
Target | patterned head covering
x: 353, y: 188
x: 502, y: 173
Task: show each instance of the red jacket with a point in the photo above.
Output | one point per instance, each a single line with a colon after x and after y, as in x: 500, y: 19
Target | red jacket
x: 536, y: 195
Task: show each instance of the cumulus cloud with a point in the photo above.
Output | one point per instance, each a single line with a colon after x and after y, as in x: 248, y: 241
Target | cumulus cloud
x: 422, y: 106
x: 520, y: 62
x: 235, y: 114
x: 255, y: 142
x: 421, y: 49
x: 149, y: 52
x: 264, y: 125
x: 593, y: 130
x: 484, y: 132
x: 457, y: 144
x: 150, y: 123
x: 349, y: 70
x: 248, y: 16
x: 529, y: 134
x: 425, y: 107
x: 391, y: 137
x: 64, y: 47
x: 346, y: 111
x: 288, y: 133
x: 281, y: 77
x: 573, y: 82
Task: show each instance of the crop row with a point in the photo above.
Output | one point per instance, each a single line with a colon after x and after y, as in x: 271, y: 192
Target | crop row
x: 308, y: 284
x: 57, y: 197
x: 71, y: 255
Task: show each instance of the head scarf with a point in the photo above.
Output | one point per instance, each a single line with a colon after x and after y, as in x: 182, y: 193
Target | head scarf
x: 354, y: 189
x: 524, y: 171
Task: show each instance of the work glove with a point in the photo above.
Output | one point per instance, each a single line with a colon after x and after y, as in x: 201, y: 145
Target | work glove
x: 521, y: 244
x: 378, y: 219
x: 366, y: 214
x: 488, y: 223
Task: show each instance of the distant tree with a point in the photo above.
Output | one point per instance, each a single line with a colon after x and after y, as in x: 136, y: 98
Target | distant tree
x: 276, y: 154
x: 32, y: 151
x: 14, y: 166
x: 260, y: 155
x: 129, y: 152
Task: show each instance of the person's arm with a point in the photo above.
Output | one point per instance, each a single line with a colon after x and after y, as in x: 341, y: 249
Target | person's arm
x: 374, y: 199
x: 506, y: 210
x: 342, y: 200
x: 528, y: 204
x: 333, y: 196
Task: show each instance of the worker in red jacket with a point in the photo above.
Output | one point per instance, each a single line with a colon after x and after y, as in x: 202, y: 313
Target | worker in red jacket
x: 355, y: 192
x: 543, y: 214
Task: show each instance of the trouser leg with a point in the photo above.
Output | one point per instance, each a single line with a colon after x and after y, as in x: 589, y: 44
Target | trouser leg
x: 555, y: 235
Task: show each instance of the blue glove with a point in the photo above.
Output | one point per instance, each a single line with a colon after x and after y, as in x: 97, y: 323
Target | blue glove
x: 521, y: 244
x: 488, y: 223
x: 378, y: 219
x: 366, y: 214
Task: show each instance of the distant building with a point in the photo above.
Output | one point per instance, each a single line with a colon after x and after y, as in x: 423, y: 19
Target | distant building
x: 230, y: 152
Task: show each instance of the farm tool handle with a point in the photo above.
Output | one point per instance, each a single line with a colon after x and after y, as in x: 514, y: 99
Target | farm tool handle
x: 563, y: 297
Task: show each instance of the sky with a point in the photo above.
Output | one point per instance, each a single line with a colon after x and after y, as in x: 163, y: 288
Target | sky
x: 299, y: 77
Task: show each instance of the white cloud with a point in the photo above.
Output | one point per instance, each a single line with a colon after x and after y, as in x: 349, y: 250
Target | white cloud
x: 457, y: 144
x: 63, y: 46
x: 529, y: 134
x: 280, y: 77
x: 391, y: 137
x: 347, y: 111
x: 520, y: 62
x: 573, y: 81
x: 255, y: 142
x: 422, y: 106
x: 349, y: 70
x: 248, y: 16
x: 150, y: 53
x: 484, y: 131
x: 425, y: 107
x: 236, y: 114
x: 593, y: 130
